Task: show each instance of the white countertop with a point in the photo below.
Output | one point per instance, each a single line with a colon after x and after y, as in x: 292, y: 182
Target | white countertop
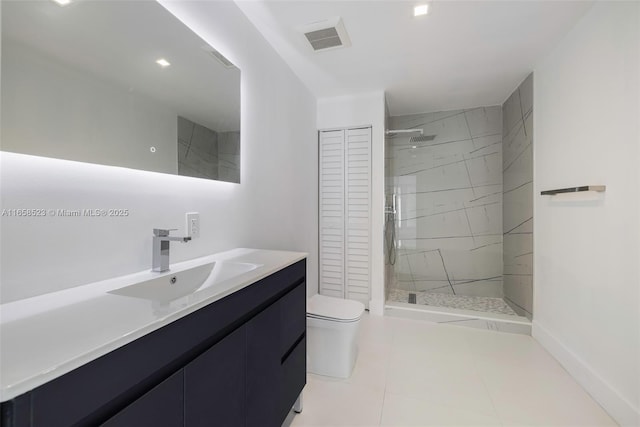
x: 44, y: 337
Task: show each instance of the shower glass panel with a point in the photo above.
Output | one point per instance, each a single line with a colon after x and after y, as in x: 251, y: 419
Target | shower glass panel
x: 443, y: 214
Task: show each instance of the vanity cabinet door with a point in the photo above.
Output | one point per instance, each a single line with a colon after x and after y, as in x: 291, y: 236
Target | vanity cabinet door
x: 214, y: 384
x: 162, y: 406
x: 263, y: 369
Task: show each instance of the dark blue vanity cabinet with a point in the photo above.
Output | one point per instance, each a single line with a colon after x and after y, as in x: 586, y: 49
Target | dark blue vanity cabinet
x: 240, y: 361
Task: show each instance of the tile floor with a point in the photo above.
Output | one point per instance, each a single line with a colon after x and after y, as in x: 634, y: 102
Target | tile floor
x: 416, y: 373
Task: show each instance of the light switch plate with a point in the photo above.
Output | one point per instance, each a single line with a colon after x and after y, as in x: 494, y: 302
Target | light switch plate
x: 193, y: 224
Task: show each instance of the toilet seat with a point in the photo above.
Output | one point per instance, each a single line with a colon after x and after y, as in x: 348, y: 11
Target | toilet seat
x: 334, y: 309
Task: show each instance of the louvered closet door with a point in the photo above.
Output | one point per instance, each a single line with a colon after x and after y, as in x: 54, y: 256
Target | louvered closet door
x: 345, y: 219
x: 358, y: 214
x: 332, y: 214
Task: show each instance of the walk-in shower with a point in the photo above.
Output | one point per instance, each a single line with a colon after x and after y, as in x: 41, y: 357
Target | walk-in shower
x: 443, y: 212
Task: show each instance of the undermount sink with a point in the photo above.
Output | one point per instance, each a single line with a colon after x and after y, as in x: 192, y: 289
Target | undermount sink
x: 174, y: 285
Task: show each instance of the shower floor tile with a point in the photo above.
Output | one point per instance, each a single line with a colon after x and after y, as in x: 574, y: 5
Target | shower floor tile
x: 462, y: 302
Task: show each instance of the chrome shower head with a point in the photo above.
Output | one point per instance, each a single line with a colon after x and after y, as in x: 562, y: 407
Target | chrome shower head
x: 392, y: 133
x: 422, y: 138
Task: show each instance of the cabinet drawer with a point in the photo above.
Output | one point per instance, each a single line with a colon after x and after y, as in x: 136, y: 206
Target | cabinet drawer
x: 294, y: 376
x: 293, y: 317
x: 214, y: 384
x: 161, y: 406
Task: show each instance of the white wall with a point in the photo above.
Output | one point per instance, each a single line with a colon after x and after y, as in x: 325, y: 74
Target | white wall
x: 359, y: 110
x: 587, y: 281
x: 274, y: 207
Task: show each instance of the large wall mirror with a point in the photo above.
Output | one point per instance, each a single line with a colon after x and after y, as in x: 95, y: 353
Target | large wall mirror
x: 120, y: 83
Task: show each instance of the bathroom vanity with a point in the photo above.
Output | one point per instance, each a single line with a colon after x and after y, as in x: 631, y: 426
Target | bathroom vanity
x: 231, y: 354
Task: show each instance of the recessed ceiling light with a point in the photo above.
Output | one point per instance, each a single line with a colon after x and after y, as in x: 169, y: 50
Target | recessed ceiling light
x: 163, y: 63
x: 423, y: 9
x: 62, y: 2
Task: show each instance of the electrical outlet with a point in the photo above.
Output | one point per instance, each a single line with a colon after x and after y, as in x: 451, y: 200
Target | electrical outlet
x: 193, y: 224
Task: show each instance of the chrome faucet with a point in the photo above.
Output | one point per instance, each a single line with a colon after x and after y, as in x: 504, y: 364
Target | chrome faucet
x: 161, y: 241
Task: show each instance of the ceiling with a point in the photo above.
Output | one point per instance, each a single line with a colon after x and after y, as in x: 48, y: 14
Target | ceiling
x: 463, y: 54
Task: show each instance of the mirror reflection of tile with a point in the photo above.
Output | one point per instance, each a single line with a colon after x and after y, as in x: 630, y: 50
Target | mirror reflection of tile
x: 206, y: 153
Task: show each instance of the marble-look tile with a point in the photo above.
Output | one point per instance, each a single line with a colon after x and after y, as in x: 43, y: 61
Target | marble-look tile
x: 230, y: 161
x: 485, y: 169
x: 514, y: 144
x: 447, y: 243
x: 467, y: 266
x: 185, y: 170
x: 229, y: 143
x: 228, y: 174
x: 480, y: 288
x: 484, y: 121
x: 448, y: 129
x: 518, y: 253
x: 182, y: 151
x: 484, y: 194
x: 520, y: 172
x: 408, y: 160
x: 519, y: 310
x: 486, y: 144
x: 519, y: 290
x: 203, y: 162
x: 511, y: 113
x: 438, y: 286
x: 434, y: 203
x: 204, y: 139
x: 412, y: 121
x: 487, y: 244
x: 450, y: 224
x: 427, y: 265
x: 449, y: 193
x: 485, y: 219
x: 526, y: 94
x: 517, y: 208
x: 185, y: 129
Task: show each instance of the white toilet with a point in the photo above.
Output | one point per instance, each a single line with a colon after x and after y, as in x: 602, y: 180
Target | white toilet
x: 332, y: 335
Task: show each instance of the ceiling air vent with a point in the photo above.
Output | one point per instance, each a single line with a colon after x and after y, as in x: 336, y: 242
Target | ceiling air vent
x: 218, y: 56
x: 326, y: 34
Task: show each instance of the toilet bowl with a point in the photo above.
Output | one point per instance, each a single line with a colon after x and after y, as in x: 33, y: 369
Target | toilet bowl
x: 332, y: 335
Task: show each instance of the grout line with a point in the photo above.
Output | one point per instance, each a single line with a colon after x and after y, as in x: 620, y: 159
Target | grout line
x: 519, y: 306
x: 524, y: 126
x: 519, y: 186
x: 522, y: 223
x: 464, y: 160
x: 450, y: 189
x: 450, y: 211
x: 446, y: 272
x: 516, y: 158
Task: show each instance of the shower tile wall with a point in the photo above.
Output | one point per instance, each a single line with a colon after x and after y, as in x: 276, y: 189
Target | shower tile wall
x: 205, y: 153
x: 449, y: 199
x: 197, y: 150
x: 229, y: 156
x: 517, y: 157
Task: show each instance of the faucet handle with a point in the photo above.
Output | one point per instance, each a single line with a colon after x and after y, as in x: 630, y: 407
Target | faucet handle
x: 163, y: 232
